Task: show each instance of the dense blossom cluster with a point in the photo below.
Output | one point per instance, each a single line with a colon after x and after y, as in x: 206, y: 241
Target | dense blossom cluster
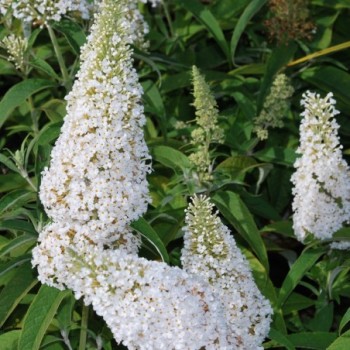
x: 211, y: 253
x: 321, y: 182
x: 103, y: 124
x: 147, y: 305
x: 275, y: 107
x: 207, y: 130
x: 96, y: 186
x: 43, y: 11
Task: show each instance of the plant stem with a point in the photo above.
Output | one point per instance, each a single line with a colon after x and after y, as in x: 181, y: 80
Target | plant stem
x: 84, y: 325
x: 66, y: 79
x: 168, y: 18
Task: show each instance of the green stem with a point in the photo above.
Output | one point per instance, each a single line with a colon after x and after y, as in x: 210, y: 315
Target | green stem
x: 66, y: 79
x: 83, y: 329
x: 168, y: 18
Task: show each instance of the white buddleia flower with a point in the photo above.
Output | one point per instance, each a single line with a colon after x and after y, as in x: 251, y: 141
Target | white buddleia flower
x: 147, y: 304
x: 97, y: 174
x: 211, y: 252
x: 321, y: 181
x: 43, y: 11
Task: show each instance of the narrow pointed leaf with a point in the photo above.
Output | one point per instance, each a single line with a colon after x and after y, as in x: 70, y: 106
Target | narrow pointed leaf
x: 204, y: 16
x: 298, y: 270
x: 146, y: 230
x: 39, y: 316
x: 19, y: 93
x: 253, y: 7
x: 235, y: 211
x: 15, y: 290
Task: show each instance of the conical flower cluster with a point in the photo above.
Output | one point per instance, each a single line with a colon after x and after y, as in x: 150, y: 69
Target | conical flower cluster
x: 322, y: 179
x: 211, y: 253
x: 84, y: 182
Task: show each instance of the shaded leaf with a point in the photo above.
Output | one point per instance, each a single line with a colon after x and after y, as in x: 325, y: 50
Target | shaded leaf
x: 341, y: 343
x: 171, y: 157
x: 73, y: 33
x: 298, y: 270
x: 146, y: 230
x: 39, y: 316
x: 204, y: 16
x: 19, y: 93
x: 23, y: 281
x: 312, y: 340
x: 235, y: 211
x: 253, y: 7
x: 281, y: 339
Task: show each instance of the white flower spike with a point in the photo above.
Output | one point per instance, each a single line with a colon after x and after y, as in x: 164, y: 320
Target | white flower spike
x: 321, y: 190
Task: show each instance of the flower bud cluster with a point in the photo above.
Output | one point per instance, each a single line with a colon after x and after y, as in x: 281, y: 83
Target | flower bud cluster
x: 207, y: 129
x: 275, y: 107
x: 16, y: 48
x: 321, y: 190
x: 211, y: 253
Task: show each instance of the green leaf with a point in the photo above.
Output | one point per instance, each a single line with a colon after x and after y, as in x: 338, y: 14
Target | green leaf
x: 15, y: 199
x: 312, y: 340
x: 176, y: 81
x: 13, y: 263
x: 171, y: 157
x: 65, y: 312
x: 235, y: 211
x: 146, y: 230
x: 305, y: 261
x: 236, y: 166
x: 49, y: 133
x: 204, y: 16
x: 341, y: 343
x: 19, y: 93
x: 8, y: 163
x: 345, y: 320
x: 253, y: 7
x: 18, y: 225
x: 283, y: 227
x: 73, y: 33
x: 22, y: 282
x: 39, y: 316
x: 55, y: 110
x: 9, y: 340
x: 25, y: 241
x: 323, y: 319
x: 297, y: 302
x: 281, y: 339
x: 7, y: 68
x: 11, y: 182
x: 43, y: 66
x: 279, y: 155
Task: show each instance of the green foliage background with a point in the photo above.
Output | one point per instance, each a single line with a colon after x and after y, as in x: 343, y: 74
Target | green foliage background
x: 308, y: 285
